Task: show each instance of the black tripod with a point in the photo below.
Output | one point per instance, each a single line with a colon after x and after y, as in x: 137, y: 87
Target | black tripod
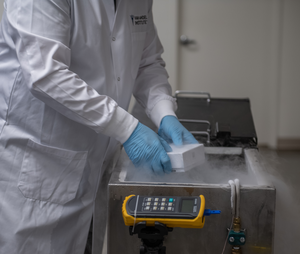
x: 152, y: 237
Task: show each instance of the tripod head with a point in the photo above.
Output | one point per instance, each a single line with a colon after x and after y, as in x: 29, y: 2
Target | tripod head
x: 152, y: 237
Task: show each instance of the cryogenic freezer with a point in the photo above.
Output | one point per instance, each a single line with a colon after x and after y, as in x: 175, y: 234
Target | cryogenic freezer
x: 226, y: 128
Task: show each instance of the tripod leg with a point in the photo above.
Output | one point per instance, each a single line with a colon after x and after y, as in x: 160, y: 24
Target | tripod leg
x: 163, y: 250
x: 142, y: 249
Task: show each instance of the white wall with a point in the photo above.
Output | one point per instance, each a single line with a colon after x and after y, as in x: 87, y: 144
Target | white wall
x: 276, y: 99
x: 1, y: 8
x: 232, y: 56
x: 289, y: 97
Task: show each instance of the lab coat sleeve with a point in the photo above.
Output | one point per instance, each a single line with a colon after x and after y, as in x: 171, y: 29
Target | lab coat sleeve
x: 152, y: 89
x: 41, y: 32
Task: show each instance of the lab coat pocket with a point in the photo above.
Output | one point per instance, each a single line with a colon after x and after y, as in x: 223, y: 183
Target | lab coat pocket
x: 51, y: 174
x: 137, y: 42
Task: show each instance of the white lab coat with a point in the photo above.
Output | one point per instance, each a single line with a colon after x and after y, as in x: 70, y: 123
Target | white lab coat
x: 67, y: 72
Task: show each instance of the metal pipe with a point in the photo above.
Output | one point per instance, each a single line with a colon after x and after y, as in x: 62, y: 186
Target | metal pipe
x: 194, y: 93
x: 196, y: 121
x: 202, y: 133
x: 237, y: 188
x: 232, y: 185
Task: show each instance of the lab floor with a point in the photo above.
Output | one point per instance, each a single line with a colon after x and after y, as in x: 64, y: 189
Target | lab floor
x: 284, y: 171
x: 283, y: 168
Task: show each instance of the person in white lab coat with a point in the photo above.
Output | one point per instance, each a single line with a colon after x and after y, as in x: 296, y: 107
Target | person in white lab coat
x: 68, y: 69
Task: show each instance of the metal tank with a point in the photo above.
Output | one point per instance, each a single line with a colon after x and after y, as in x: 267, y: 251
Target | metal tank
x: 226, y: 128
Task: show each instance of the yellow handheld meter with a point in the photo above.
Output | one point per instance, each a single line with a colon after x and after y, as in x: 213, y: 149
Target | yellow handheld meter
x: 183, y: 212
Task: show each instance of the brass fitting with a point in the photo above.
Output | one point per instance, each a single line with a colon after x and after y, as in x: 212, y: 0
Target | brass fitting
x: 237, y: 224
x: 236, y: 250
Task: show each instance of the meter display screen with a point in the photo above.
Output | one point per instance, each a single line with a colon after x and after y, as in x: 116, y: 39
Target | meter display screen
x: 187, y: 205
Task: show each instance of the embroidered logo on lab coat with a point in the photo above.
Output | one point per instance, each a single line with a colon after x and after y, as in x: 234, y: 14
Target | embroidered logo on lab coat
x: 139, y: 20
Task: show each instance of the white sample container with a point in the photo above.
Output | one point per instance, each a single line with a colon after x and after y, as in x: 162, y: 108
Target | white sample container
x: 186, y: 157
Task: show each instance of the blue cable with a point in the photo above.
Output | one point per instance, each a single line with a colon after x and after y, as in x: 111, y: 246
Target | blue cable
x: 208, y: 212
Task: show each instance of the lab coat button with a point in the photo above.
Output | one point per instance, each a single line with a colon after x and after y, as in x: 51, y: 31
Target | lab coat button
x: 113, y: 38
x: 119, y: 79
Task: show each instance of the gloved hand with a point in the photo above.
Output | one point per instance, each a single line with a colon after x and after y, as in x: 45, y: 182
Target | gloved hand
x: 145, y: 148
x: 172, y: 130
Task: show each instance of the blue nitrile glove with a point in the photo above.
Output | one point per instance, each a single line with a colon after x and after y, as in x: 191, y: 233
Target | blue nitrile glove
x: 145, y: 148
x: 172, y: 130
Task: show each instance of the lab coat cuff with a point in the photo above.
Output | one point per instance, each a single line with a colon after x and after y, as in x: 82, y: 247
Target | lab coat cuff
x: 121, y: 126
x: 161, y: 109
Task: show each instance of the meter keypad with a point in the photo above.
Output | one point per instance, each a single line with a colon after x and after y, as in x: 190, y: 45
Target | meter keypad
x: 158, y: 204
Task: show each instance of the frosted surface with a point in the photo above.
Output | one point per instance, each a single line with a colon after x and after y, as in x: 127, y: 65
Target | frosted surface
x: 217, y: 169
